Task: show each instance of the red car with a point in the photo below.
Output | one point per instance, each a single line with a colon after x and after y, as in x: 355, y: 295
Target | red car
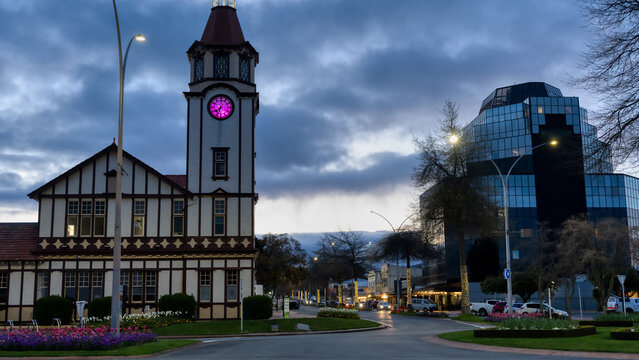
x: 499, y: 307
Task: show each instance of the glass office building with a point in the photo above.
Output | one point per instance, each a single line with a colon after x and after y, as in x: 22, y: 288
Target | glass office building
x: 548, y: 185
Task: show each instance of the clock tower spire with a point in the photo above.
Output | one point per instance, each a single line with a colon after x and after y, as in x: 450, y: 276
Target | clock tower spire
x: 222, y: 104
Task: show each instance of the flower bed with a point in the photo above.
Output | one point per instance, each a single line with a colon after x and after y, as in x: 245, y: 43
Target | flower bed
x: 625, y: 334
x: 150, y: 320
x: 338, y: 313
x: 511, y: 333
x: 72, y: 338
x: 499, y: 317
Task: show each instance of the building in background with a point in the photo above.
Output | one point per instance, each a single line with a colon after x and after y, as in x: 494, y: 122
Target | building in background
x: 191, y: 233
x: 548, y: 185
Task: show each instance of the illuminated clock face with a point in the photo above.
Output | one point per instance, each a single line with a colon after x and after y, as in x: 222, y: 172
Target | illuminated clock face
x: 221, y: 107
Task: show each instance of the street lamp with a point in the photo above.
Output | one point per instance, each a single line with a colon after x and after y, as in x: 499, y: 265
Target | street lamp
x: 117, y: 238
x: 399, y: 286
x: 504, y: 183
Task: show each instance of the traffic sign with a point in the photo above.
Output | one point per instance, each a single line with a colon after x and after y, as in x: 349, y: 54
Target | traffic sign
x: 622, y: 279
x: 506, y: 273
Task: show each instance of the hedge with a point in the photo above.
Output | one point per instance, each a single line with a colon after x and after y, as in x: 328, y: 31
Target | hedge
x: 624, y: 334
x: 50, y: 307
x: 182, y: 303
x: 257, y: 307
x: 335, y: 313
x: 100, y: 307
x: 494, y: 333
x: 606, y: 323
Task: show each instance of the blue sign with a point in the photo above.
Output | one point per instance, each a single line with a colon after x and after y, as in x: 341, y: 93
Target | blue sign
x: 506, y: 273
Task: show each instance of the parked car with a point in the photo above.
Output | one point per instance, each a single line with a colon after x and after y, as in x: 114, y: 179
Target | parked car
x: 383, y: 305
x: 333, y: 303
x: 349, y: 305
x: 483, y: 308
x: 614, y: 305
x: 533, y: 308
x: 516, y: 307
x: 294, y: 304
x: 422, y: 305
x: 499, y: 307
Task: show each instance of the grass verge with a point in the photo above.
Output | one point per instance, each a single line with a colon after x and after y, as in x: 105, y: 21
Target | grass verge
x: 144, y: 349
x: 229, y: 327
x: 471, y: 318
x: 601, y: 341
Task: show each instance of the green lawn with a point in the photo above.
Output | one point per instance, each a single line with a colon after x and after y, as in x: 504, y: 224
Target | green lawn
x: 144, y: 349
x: 598, y: 342
x: 471, y: 318
x: 227, y: 327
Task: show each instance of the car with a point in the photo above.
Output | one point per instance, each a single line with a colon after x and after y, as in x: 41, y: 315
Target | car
x: 294, y: 304
x: 533, y: 308
x: 349, y: 305
x: 422, y: 305
x: 483, y: 308
x: 332, y: 303
x: 516, y: 307
x: 383, y: 305
x: 615, y: 305
x: 500, y: 307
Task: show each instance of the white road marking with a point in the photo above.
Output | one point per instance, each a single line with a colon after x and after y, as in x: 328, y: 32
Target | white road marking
x: 471, y: 324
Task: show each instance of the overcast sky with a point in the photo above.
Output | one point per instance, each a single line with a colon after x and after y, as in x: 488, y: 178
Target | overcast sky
x: 344, y: 88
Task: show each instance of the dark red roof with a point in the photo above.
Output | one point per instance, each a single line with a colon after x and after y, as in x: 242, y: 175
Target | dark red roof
x: 17, y: 240
x: 178, y: 179
x: 223, y: 27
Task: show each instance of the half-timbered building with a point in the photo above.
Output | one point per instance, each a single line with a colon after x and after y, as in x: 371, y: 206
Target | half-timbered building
x: 190, y: 233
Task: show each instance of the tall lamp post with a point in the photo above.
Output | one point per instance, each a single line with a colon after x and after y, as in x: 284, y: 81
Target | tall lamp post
x: 117, y: 238
x: 399, y: 286
x: 504, y: 182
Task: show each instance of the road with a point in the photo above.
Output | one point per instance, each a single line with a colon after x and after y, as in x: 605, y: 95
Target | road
x: 404, y: 339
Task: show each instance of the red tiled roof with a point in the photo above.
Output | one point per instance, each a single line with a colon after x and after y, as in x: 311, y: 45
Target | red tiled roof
x: 178, y: 179
x: 223, y: 28
x: 17, y: 240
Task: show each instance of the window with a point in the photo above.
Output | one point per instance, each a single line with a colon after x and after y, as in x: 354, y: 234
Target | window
x: 540, y: 109
x: 84, y: 291
x: 221, y: 67
x: 69, y: 285
x: 99, y: 219
x: 150, y: 286
x: 138, y: 217
x: 96, y: 285
x: 220, y: 163
x: 178, y: 217
x: 219, y: 218
x: 85, y: 219
x: 72, y: 217
x: 205, y: 286
x: 4, y: 287
x: 231, y: 285
x: 43, y: 284
x: 198, y: 69
x: 137, y: 284
x: 245, y: 69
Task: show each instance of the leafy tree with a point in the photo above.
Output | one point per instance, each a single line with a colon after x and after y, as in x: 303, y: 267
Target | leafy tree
x: 483, y: 259
x: 281, y: 263
x: 524, y: 285
x: 612, y: 70
x: 453, y: 197
x: 493, y: 285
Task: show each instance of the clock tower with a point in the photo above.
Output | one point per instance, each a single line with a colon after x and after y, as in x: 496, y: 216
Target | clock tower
x: 222, y: 103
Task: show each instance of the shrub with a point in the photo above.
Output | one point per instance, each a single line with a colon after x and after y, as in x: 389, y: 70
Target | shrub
x: 257, y: 307
x: 50, y: 307
x: 535, y: 324
x: 497, y: 333
x: 615, y: 316
x: 182, y: 303
x: 100, y: 307
x: 147, y: 320
x: 338, y: 313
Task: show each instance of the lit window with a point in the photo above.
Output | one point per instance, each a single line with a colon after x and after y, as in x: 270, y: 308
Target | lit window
x: 73, y: 209
x: 138, y: 218
x: 540, y: 109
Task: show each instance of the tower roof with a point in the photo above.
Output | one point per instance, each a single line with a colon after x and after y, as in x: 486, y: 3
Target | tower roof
x: 223, y: 27
x: 517, y: 93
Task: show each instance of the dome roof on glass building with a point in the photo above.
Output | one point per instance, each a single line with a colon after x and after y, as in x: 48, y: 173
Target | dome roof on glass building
x: 517, y: 93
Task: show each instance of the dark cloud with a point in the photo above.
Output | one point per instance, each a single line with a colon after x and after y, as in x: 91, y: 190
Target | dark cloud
x: 331, y: 73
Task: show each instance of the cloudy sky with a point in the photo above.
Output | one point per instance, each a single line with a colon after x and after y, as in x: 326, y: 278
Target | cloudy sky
x: 344, y: 88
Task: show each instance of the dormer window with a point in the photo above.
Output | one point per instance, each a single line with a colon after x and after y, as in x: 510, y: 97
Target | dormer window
x: 245, y: 69
x: 198, y: 68
x: 221, y: 66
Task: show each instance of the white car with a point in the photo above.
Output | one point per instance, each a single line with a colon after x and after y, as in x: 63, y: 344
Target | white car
x: 383, y: 305
x: 422, y: 305
x: 533, y: 308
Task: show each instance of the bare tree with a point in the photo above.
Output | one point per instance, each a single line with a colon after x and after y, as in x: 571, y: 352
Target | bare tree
x: 452, y: 197
x: 612, y: 70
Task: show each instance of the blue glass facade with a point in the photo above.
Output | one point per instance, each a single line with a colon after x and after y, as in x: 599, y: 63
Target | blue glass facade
x: 545, y: 186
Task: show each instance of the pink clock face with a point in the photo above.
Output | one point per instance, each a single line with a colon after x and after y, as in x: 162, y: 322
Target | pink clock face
x: 221, y: 107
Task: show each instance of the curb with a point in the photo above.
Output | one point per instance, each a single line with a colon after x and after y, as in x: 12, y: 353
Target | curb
x: 175, y: 337
x: 502, y: 349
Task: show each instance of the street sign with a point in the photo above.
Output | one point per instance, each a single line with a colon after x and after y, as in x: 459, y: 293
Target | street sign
x: 622, y: 279
x: 506, y: 273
